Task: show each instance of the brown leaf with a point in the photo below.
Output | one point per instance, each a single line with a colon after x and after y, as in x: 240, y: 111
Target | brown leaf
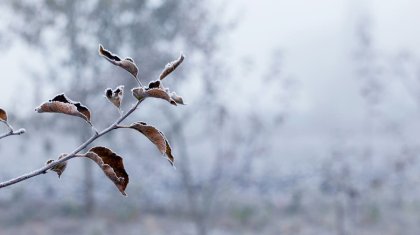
x: 154, y: 84
x: 3, y: 115
x: 111, y: 164
x: 60, y: 167
x: 127, y: 63
x: 170, y: 67
x: 61, y: 104
x: 141, y: 93
x: 115, y: 96
x: 152, y: 134
x: 168, y: 152
x: 156, y: 137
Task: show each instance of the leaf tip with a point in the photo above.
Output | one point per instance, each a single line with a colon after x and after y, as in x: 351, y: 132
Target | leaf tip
x: 101, y: 49
x: 3, y: 115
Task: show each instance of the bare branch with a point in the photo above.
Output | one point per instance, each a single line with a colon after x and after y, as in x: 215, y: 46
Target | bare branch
x: 73, y: 154
x: 18, y: 132
x: 11, y: 131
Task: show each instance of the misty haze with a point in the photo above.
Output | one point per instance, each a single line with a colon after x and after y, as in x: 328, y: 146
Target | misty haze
x: 270, y: 117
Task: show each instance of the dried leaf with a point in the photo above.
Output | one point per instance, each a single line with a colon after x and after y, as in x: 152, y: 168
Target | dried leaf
x: 3, y: 115
x: 160, y: 93
x: 127, y: 63
x: 62, y: 104
x: 170, y: 67
x: 178, y: 99
x: 168, y: 152
x: 152, y: 134
x: 111, y: 164
x: 115, y: 96
x: 156, y: 137
x: 141, y: 93
x: 60, y: 167
x: 154, y: 84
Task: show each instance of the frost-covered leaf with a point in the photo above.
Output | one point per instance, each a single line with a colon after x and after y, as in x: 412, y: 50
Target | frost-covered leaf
x: 60, y: 167
x: 170, y: 67
x: 127, y: 63
x: 142, y: 93
x: 155, y: 136
x: 62, y: 104
x: 3, y: 115
x: 152, y: 134
x: 111, y: 164
x: 178, y: 99
x: 154, y: 84
x: 139, y: 93
x: 115, y: 96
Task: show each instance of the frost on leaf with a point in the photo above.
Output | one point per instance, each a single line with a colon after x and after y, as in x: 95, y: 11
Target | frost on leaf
x: 178, y: 99
x: 156, y: 137
x: 62, y: 104
x: 127, y: 63
x: 111, y: 164
x: 170, y: 67
x: 60, y: 167
x: 159, y: 92
x: 115, y: 96
x: 3, y: 115
x: 152, y: 134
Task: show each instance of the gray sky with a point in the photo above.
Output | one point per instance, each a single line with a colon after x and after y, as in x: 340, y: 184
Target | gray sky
x: 317, y: 38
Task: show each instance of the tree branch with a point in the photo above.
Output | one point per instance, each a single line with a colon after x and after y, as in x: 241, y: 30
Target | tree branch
x: 43, y: 170
x: 18, y: 132
x: 11, y: 131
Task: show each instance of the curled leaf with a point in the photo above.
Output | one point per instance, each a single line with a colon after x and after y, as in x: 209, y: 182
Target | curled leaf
x: 127, y: 63
x: 62, y: 104
x: 168, y: 152
x: 111, y: 164
x: 152, y: 134
x: 142, y: 93
x: 178, y: 99
x: 170, y: 67
x: 154, y: 84
x: 115, y: 96
x: 156, y: 137
x: 60, y: 167
x: 3, y: 115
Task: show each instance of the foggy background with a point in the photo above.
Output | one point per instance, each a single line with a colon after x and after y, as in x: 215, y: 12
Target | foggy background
x: 301, y: 116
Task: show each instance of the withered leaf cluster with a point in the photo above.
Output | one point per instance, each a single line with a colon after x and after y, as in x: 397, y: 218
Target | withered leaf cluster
x: 111, y: 163
x: 156, y: 89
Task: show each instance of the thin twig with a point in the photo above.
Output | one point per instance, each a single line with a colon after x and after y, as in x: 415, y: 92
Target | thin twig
x: 18, y: 132
x: 138, y: 81
x: 11, y: 131
x: 71, y: 155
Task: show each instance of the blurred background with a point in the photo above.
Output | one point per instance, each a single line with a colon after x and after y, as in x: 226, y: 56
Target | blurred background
x: 301, y: 116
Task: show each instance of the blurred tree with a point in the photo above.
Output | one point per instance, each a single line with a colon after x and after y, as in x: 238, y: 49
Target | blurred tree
x: 206, y: 133
x: 68, y: 32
